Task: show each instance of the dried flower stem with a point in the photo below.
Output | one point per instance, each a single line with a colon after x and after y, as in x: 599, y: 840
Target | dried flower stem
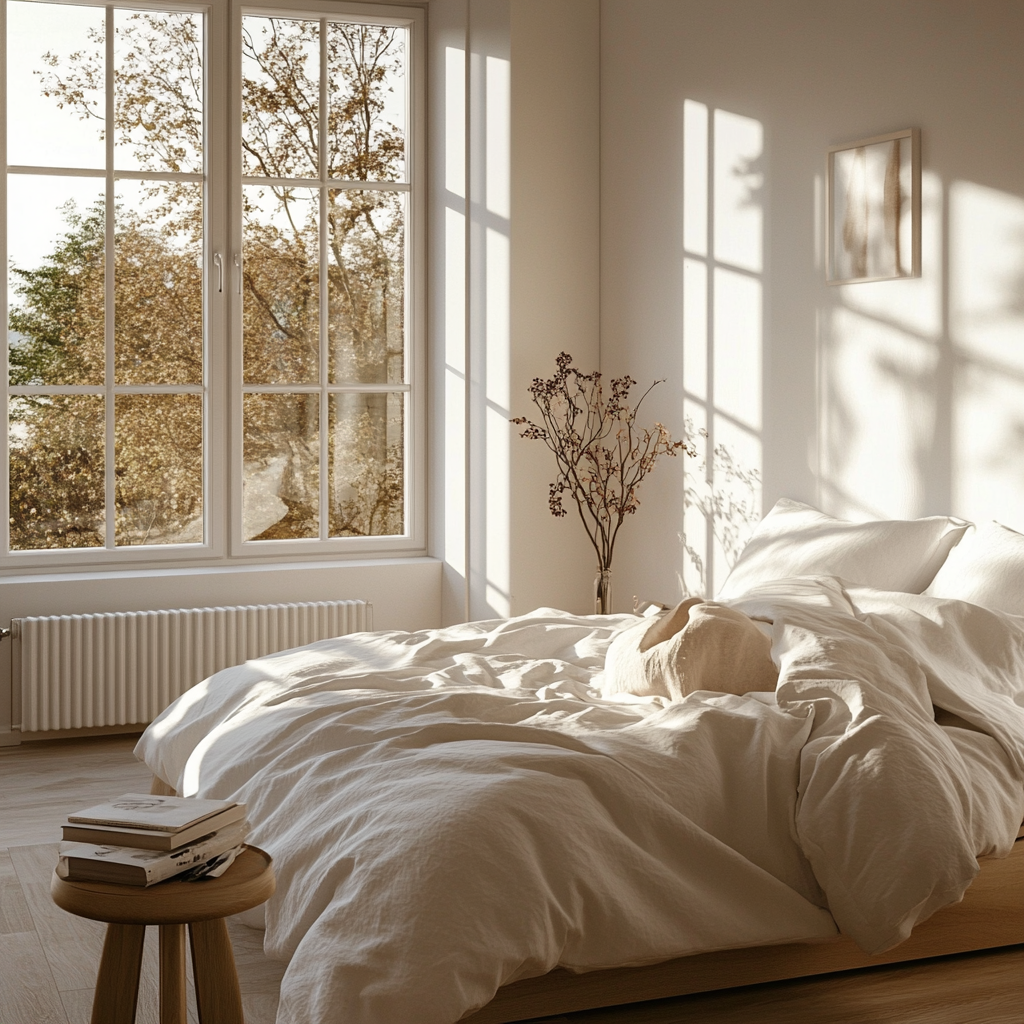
x: 602, y: 456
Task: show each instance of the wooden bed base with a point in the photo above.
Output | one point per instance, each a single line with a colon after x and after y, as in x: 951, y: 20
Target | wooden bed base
x: 991, y: 914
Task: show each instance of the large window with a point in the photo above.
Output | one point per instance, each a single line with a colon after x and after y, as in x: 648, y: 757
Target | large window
x: 213, y: 324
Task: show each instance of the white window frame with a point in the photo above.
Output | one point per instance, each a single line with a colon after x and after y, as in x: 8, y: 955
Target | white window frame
x: 413, y: 541
x: 222, y: 384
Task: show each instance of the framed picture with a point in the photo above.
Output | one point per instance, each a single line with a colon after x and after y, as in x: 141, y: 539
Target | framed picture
x: 873, y: 209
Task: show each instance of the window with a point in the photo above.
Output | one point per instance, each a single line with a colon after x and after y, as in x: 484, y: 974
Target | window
x: 214, y: 338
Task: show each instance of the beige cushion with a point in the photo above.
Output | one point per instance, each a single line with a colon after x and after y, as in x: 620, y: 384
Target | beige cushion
x: 699, y: 645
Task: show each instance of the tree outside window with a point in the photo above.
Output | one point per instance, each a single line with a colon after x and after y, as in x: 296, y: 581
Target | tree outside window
x: 106, y: 355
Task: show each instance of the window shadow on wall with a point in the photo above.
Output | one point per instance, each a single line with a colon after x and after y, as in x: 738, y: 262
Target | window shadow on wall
x: 723, y: 337
x: 922, y: 381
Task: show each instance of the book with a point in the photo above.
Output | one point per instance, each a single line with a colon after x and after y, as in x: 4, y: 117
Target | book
x: 90, y: 862
x: 152, y: 839
x: 146, y: 811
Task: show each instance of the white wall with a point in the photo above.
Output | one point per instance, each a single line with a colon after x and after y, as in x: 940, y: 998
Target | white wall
x: 515, y: 210
x: 555, y: 272
x: 892, y: 399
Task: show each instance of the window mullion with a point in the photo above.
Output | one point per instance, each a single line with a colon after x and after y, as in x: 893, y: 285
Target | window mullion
x: 322, y: 169
x: 5, y: 450
x: 108, y: 281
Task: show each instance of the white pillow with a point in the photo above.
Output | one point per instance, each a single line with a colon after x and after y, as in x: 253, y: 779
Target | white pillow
x: 888, y: 554
x: 986, y: 568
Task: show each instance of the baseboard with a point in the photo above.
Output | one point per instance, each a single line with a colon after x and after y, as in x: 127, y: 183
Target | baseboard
x: 17, y: 736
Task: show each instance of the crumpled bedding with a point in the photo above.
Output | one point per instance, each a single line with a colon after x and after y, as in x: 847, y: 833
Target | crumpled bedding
x: 451, y: 810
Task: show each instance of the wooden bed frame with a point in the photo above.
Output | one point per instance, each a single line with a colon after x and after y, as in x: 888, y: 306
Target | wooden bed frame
x: 991, y: 914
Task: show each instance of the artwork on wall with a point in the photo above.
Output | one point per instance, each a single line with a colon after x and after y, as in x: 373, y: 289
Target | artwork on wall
x: 873, y: 215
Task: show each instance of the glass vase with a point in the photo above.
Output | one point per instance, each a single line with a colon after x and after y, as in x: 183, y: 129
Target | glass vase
x: 603, y: 592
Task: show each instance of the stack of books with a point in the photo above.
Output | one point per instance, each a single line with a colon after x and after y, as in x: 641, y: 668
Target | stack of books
x: 139, y: 839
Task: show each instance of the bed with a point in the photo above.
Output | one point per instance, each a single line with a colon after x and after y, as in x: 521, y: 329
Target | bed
x: 507, y: 819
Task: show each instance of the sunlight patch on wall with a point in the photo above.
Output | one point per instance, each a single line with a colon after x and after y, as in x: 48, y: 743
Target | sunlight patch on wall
x: 455, y: 311
x: 723, y: 338
x: 738, y: 180
x: 498, y: 428
x: 455, y: 121
x: 882, y: 366
x: 492, y: 578
x: 499, y: 141
x: 923, y: 380
x: 695, y: 327
x: 879, y: 416
x: 455, y: 390
x: 738, y: 341
x: 697, y: 536
x: 986, y: 324
x: 695, y: 178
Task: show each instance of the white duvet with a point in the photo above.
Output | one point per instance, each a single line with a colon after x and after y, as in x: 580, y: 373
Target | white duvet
x: 451, y: 810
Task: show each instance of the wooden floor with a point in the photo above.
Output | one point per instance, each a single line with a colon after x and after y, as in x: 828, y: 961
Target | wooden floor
x: 48, y: 958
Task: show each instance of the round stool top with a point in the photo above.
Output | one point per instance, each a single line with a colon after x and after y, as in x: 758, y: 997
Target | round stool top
x: 246, y: 884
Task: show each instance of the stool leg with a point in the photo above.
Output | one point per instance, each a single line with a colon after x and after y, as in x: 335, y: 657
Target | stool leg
x: 172, y: 974
x: 218, y: 998
x: 117, y: 984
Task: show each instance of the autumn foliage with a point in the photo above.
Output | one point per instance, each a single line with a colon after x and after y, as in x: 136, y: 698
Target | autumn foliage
x: 340, y: 346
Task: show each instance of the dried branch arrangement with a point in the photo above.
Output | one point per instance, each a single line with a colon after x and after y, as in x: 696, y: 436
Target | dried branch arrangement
x: 602, y: 455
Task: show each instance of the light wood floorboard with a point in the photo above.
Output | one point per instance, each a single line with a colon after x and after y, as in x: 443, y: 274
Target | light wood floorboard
x: 14, y: 912
x: 42, y: 783
x: 48, y: 959
x: 28, y: 994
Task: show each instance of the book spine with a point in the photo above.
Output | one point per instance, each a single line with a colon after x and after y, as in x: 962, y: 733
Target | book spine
x: 111, y: 816
x: 147, y: 839
x: 188, y: 857
x: 159, y: 868
x: 111, y: 837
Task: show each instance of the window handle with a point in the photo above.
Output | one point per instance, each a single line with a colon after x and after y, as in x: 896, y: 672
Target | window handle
x: 218, y: 262
x: 238, y: 267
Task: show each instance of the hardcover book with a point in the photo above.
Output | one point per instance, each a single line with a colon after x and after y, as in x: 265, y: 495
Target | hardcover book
x: 149, y: 838
x: 88, y: 862
x: 154, y: 813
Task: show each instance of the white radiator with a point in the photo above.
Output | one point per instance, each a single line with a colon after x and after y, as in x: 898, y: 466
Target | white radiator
x: 121, y: 668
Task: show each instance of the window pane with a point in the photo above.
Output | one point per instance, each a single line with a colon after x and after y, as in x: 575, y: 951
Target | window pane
x: 55, y: 49
x: 56, y: 472
x: 158, y: 469
x: 366, y: 281
x: 55, y: 283
x: 366, y: 80
x: 280, y: 97
x: 158, y: 91
x: 281, y: 449
x: 367, y: 465
x: 158, y: 283
x: 281, y: 306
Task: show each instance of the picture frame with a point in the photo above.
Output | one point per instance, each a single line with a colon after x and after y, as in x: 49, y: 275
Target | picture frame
x: 873, y: 209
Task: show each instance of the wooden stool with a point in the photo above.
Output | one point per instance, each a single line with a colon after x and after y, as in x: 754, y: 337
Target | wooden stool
x: 201, y: 905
